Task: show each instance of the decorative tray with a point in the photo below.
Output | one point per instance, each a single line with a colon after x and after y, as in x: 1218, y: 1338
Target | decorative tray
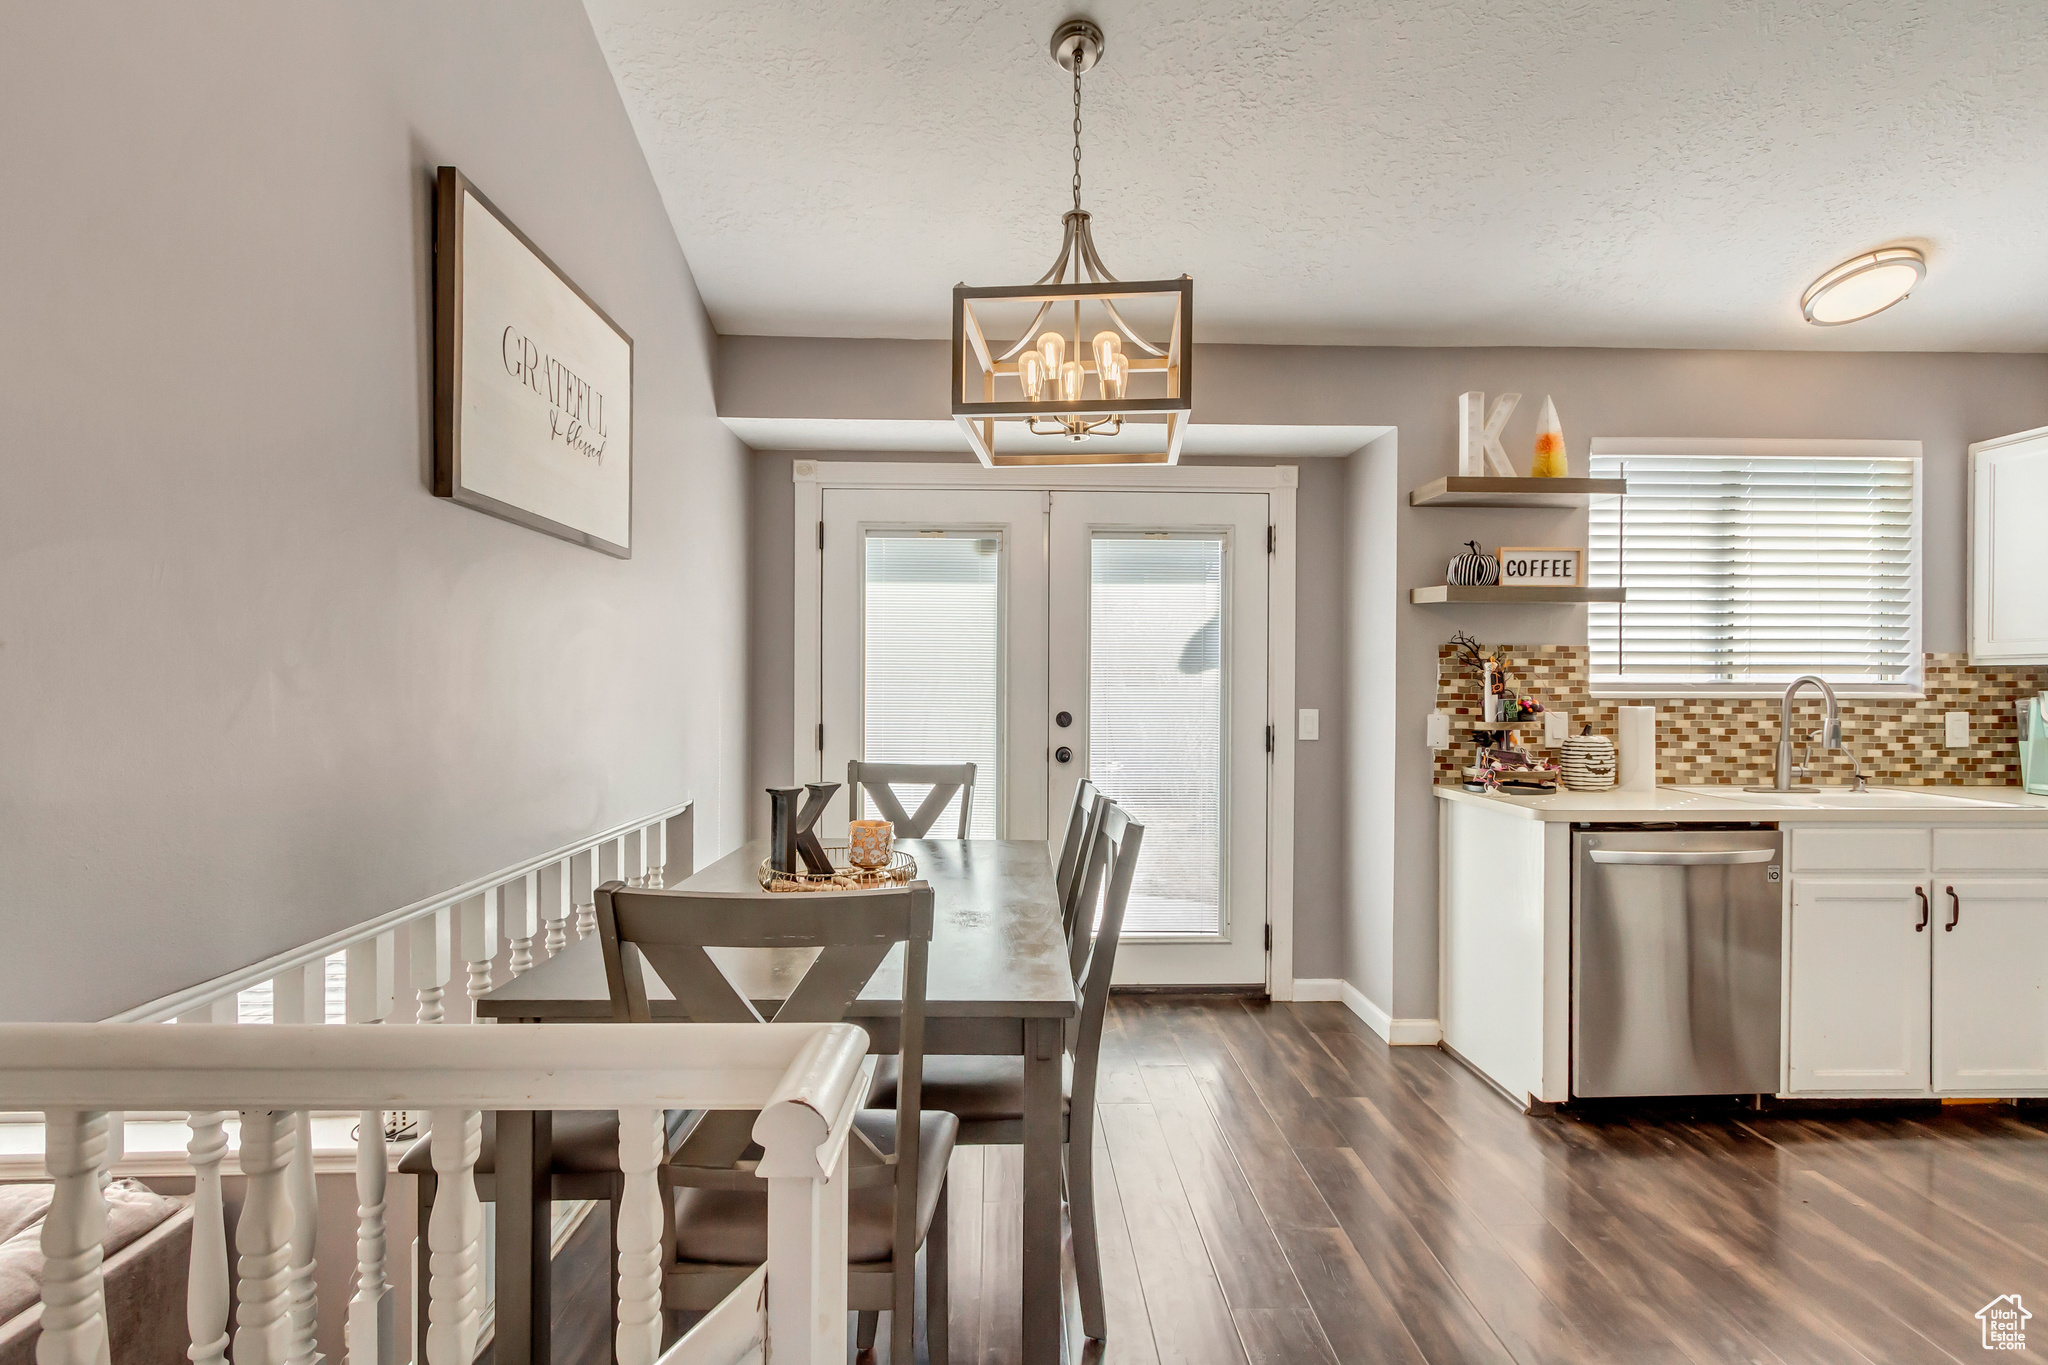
x: 844, y: 876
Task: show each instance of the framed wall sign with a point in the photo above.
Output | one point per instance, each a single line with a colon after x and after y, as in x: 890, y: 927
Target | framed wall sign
x: 533, y: 384
x: 1542, y: 566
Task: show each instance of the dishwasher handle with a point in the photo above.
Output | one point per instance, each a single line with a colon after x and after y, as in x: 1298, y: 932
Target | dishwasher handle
x: 1673, y: 858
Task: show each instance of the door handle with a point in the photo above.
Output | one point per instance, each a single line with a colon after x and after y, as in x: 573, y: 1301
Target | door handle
x: 1063, y: 754
x: 1704, y: 858
x: 1955, y: 914
x: 1926, y: 909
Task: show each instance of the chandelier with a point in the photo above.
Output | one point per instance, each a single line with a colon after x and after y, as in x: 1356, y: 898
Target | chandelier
x: 1097, y: 355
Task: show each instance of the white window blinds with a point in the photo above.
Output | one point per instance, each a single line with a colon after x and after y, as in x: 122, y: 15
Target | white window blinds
x: 1155, y: 718
x: 1745, y: 572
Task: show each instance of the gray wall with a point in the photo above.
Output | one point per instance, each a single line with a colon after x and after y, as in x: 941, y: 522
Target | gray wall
x: 257, y: 683
x: 1367, y: 897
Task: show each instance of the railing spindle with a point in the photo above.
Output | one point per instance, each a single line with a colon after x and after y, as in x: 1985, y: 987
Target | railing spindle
x: 431, y: 953
x: 639, y: 1237
x: 519, y: 917
x: 657, y: 875
x: 117, y: 1142
x: 74, y: 1327
x: 455, y: 1232
x: 585, y: 881
x: 480, y: 939
x: 372, y: 978
x: 303, y: 1299
x: 206, y: 1281
x: 263, y: 1240
x: 611, y: 862
x: 633, y: 857
x: 221, y: 1011
x: 371, y: 1332
x: 299, y: 996
x: 555, y: 904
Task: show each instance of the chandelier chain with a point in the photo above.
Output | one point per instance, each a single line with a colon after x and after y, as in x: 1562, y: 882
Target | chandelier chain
x: 1077, y: 133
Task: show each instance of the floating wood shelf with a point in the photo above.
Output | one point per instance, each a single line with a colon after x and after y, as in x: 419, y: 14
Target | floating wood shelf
x: 1461, y: 491
x: 1441, y: 594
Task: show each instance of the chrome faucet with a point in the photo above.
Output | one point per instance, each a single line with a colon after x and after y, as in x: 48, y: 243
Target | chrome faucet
x: 1830, y: 733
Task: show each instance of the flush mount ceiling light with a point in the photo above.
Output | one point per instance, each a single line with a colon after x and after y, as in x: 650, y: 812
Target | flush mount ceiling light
x: 1856, y: 289
x: 1073, y: 387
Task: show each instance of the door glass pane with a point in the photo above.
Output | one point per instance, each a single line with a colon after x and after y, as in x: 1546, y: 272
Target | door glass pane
x: 931, y: 690
x: 1155, y: 718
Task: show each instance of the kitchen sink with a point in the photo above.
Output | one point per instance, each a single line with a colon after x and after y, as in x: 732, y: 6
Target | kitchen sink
x: 1871, y: 798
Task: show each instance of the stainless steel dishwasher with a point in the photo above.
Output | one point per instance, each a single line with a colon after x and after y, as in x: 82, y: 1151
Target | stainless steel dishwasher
x: 1675, y: 952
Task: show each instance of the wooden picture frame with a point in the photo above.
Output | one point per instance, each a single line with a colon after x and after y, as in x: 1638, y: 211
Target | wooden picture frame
x: 533, y: 382
x: 1543, y: 566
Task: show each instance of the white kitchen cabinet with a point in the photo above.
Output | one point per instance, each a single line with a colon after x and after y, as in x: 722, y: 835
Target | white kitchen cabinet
x: 1857, y: 1017
x: 2008, y: 489
x: 1990, y: 985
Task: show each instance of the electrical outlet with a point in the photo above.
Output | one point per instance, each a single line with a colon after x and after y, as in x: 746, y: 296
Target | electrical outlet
x: 1556, y: 725
x: 1309, y: 724
x: 1439, y: 730
x: 1958, y: 729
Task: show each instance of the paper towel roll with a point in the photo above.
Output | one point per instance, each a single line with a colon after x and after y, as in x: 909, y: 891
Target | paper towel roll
x: 1636, y: 739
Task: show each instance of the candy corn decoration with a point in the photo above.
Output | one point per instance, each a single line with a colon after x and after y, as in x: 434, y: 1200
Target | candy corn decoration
x: 1549, y: 459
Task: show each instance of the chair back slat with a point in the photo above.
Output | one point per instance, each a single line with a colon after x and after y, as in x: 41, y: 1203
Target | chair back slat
x: 1074, y: 846
x: 877, y: 780
x: 697, y: 983
x: 1106, y: 888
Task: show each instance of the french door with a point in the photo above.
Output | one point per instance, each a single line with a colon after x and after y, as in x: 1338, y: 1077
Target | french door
x: 1051, y: 636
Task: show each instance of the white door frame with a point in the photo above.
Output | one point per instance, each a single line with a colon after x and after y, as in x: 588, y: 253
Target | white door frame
x: 813, y: 477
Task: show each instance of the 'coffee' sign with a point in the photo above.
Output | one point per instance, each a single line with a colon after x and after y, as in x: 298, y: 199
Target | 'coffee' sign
x: 1542, y: 566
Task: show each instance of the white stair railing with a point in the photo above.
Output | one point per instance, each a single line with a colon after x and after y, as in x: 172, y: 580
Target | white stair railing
x: 807, y: 1081
x: 427, y: 943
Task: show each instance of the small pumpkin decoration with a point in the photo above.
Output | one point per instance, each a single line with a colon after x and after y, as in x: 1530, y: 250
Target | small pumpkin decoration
x: 1474, y: 569
x: 1588, y: 761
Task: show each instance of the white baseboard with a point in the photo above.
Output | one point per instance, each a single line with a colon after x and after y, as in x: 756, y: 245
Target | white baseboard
x: 1397, y: 1032
x: 1318, y: 988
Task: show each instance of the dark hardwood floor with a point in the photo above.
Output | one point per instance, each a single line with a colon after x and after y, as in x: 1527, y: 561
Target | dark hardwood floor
x: 1277, y: 1185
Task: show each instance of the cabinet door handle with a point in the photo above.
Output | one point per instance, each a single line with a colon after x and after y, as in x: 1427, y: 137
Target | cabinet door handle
x: 1926, y: 910
x: 1955, y: 914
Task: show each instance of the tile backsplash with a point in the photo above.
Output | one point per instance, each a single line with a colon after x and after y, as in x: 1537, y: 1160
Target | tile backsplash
x: 1723, y: 740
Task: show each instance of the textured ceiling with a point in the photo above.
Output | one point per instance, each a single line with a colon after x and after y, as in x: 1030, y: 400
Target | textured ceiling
x: 1578, y: 172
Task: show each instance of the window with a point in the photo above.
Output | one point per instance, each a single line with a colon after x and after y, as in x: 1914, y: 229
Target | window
x: 933, y: 658
x: 1746, y: 569
x: 1155, y: 718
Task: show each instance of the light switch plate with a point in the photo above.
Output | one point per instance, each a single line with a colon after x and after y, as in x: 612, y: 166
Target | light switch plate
x: 1309, y: 724
x: 1958, y: 729
x: 1439, y: 730
x: 1556, y: 725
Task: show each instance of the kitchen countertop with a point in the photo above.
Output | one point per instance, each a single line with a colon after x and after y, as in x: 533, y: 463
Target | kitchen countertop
x: 1695, y: 804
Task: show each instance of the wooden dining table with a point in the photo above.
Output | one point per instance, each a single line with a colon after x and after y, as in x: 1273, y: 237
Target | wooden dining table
x: 997, y: 984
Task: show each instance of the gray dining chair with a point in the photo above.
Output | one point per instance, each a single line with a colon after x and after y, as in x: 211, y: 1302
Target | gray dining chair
x: 944, y: 779
x: 715, y: 1207
x: 1080, y: 837
x: 987, y: 1093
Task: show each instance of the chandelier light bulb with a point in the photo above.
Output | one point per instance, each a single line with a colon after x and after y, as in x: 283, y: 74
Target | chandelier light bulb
x: 1106, y: 344
x: 1116, y: 372
x: 1072, y: 377
x: 1052, y: 346
x: 1031, y: 374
